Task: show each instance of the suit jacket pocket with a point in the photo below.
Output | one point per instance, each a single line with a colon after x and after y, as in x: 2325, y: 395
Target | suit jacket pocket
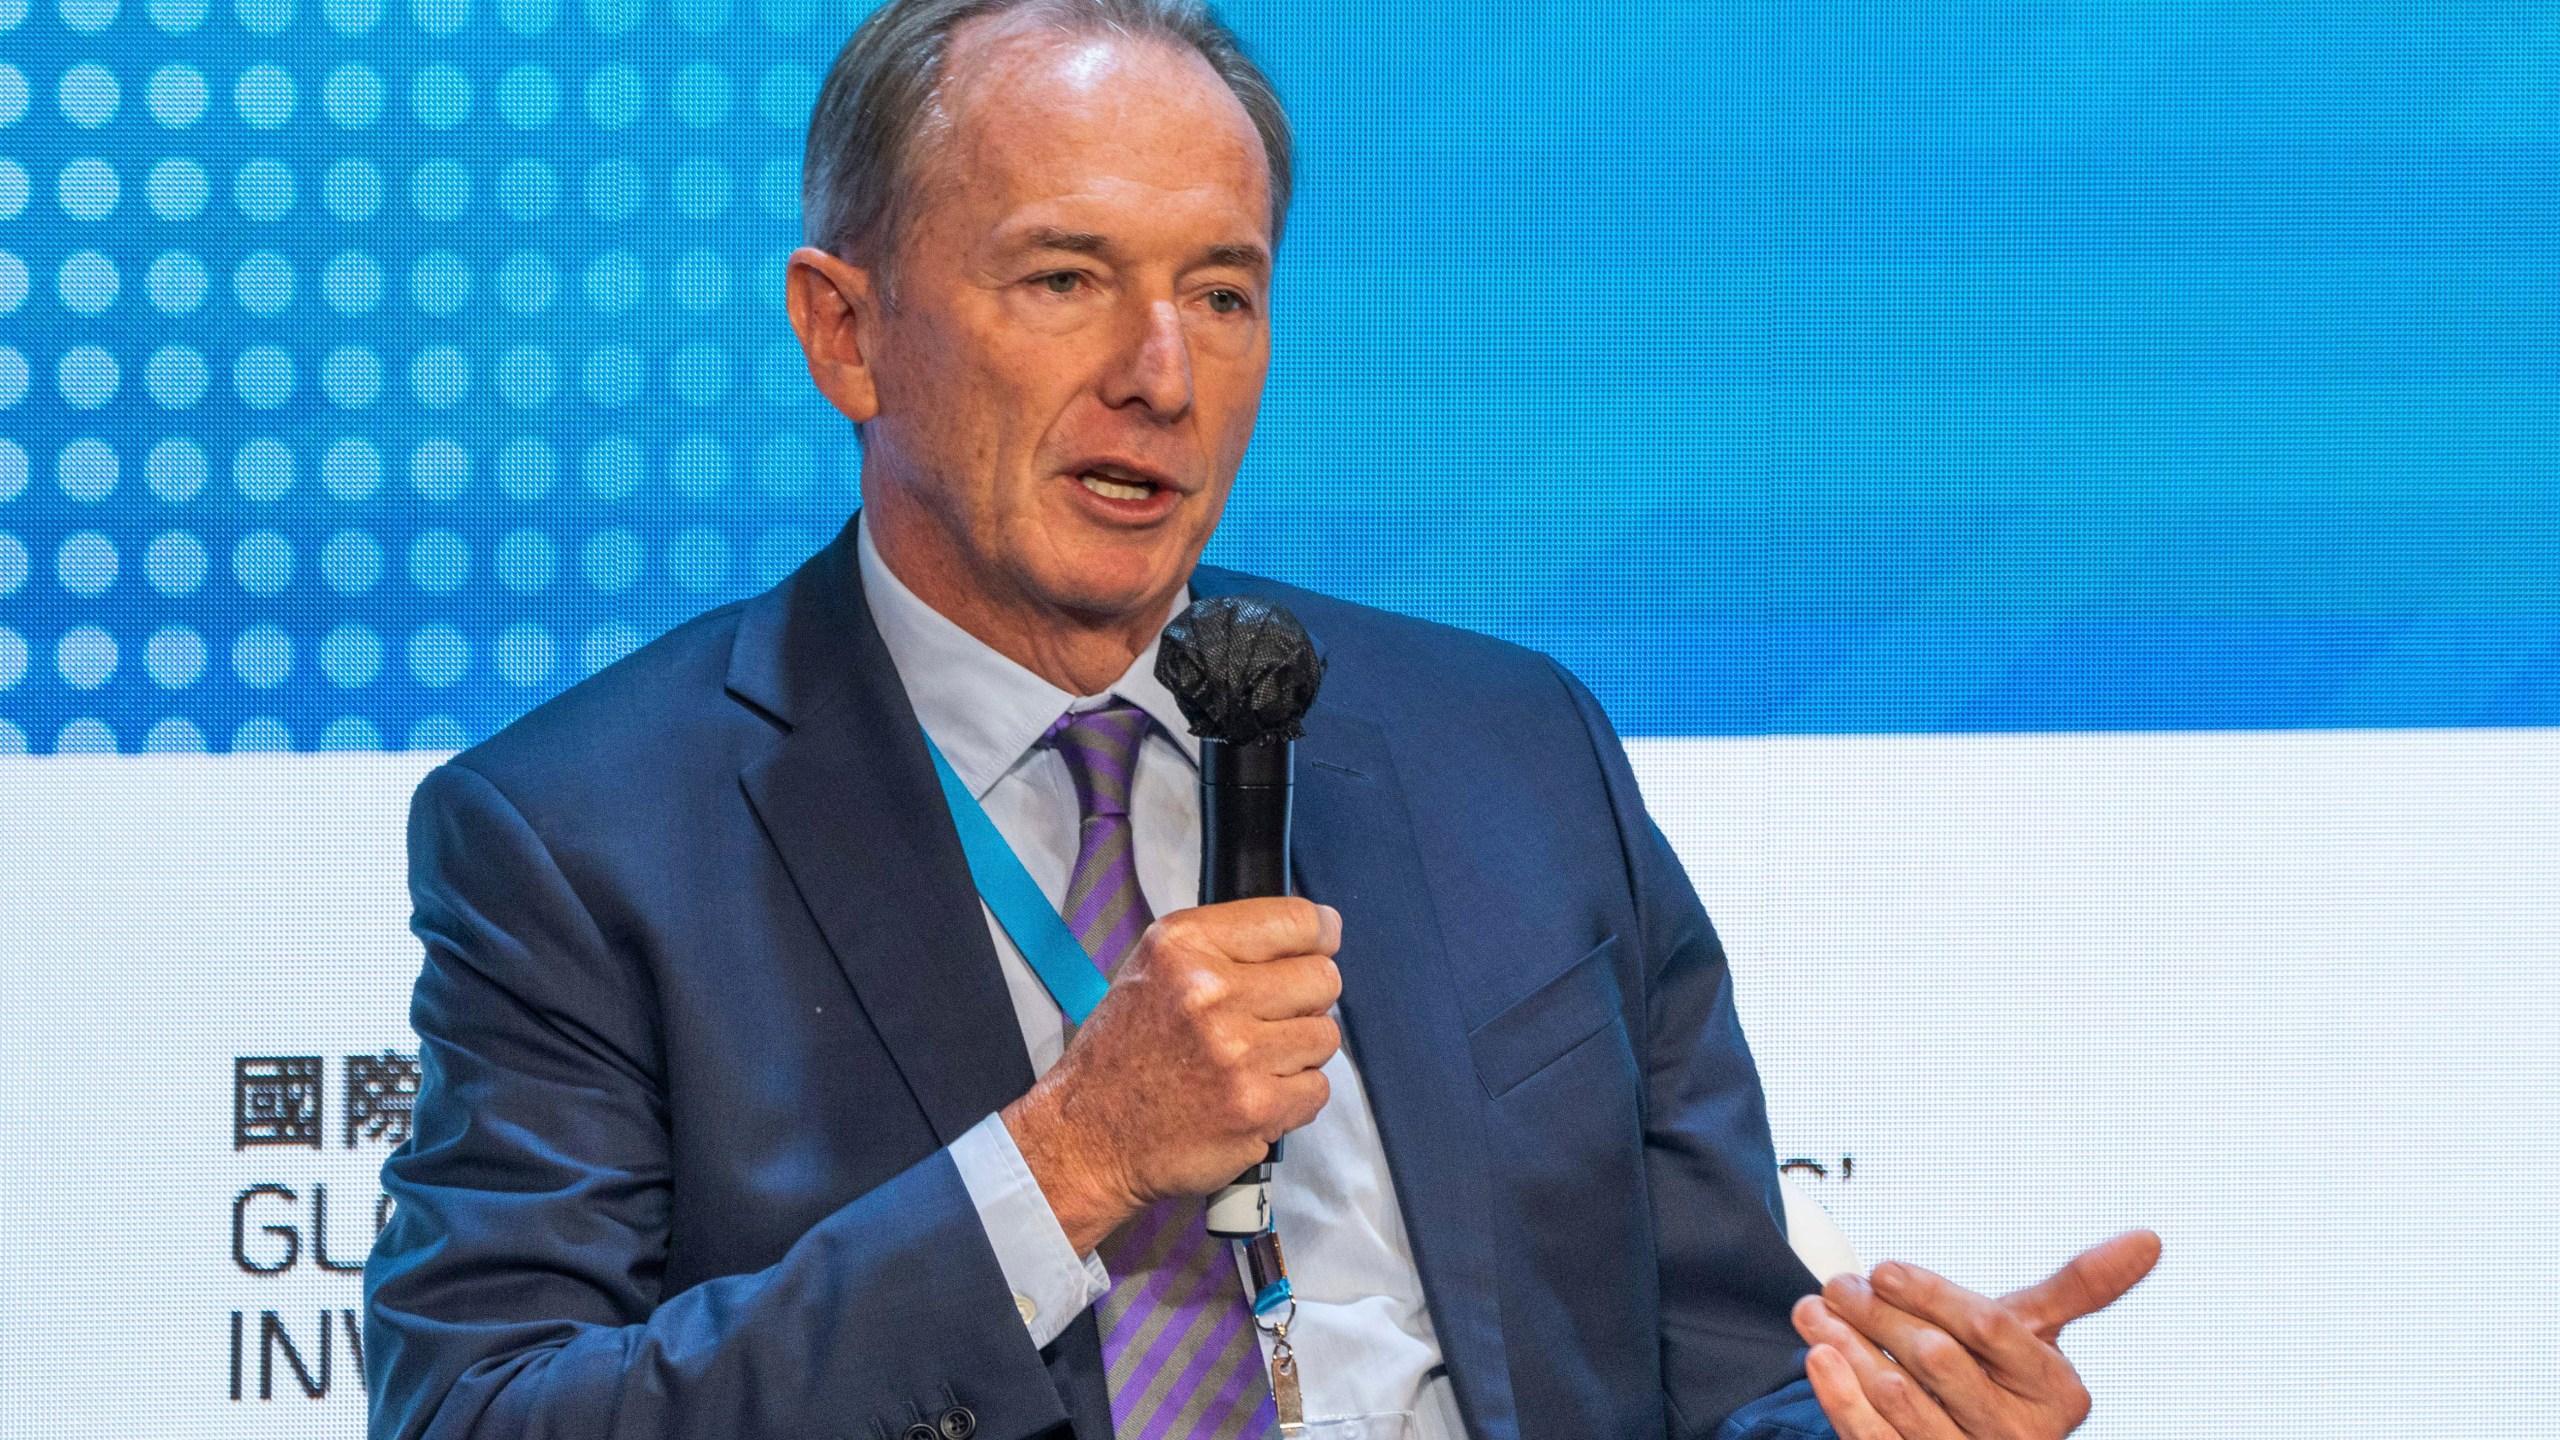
x: 1537, y: 1030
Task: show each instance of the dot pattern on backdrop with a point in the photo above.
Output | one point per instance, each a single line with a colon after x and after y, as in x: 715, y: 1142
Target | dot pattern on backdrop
x: 372, y: 369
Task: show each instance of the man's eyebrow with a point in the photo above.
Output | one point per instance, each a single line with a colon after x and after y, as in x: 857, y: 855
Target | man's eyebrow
x: 1074, y: 242
x: 1243, y: 257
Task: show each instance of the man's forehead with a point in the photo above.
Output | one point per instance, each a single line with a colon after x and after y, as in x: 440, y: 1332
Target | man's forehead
x: 1029, y: 107
x: 1024, y: 46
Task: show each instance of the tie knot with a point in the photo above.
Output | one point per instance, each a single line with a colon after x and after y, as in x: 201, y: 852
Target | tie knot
x: 1101, y: 751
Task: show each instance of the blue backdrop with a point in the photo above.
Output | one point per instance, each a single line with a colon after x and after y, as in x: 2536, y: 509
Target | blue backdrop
x: 371, y: 369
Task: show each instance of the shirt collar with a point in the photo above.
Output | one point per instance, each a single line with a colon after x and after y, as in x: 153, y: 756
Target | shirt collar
x: 984, y: 710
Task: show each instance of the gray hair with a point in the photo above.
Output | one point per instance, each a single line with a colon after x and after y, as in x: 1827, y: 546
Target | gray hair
x: 855, y: 182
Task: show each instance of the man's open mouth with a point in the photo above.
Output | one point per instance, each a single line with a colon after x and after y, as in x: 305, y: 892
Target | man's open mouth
x: 1112, y: 482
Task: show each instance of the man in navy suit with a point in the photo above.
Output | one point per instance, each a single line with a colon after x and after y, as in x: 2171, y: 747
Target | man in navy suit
x: 743, y: 1118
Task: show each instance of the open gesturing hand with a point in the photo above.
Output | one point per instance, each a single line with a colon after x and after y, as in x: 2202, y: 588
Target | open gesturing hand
x: 1915, y: 1356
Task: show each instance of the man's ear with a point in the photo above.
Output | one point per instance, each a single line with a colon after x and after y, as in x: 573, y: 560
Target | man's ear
x: 836, y: 309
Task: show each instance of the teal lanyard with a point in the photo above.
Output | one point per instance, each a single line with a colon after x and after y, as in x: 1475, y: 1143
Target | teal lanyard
x: 1037, y: 930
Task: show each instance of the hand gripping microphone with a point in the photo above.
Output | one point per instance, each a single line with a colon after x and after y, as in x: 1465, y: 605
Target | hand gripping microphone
x: 1244, y: 673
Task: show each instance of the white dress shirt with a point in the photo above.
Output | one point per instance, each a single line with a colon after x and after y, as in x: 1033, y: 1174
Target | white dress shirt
x: 1363, y: 1337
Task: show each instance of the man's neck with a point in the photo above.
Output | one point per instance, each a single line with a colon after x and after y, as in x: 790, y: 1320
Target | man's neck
x: 1079, y: 653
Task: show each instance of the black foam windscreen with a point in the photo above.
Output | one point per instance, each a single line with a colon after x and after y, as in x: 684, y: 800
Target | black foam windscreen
x: 1243, y: 670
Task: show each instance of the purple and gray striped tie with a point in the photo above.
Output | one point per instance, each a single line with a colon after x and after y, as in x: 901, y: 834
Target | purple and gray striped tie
x: 1177, y: 1337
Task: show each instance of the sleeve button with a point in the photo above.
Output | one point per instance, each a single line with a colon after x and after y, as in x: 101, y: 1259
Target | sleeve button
x: 958, y: 1423
x: 1023, y: 1306
x: 922, y: 1431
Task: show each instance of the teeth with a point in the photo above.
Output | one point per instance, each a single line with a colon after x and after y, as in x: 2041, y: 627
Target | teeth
x: 1114, y: 489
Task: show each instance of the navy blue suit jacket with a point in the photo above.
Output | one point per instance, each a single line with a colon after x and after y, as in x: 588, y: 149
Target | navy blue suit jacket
x: 707, y: 991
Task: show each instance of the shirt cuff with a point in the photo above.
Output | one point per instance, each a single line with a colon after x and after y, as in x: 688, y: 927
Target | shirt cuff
x: 1051, y: 1284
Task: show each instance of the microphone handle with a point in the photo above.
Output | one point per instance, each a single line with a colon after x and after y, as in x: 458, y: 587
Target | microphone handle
x: 1244, y: 855
x: 1244, y: 820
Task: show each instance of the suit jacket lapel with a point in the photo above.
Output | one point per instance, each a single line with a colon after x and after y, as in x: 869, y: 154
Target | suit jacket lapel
x: 848, y: 797
x: 1354, y: 850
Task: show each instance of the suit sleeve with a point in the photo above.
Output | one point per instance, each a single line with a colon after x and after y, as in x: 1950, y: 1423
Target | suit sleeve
x: 517, y: 1291
x: 1732, y: 1365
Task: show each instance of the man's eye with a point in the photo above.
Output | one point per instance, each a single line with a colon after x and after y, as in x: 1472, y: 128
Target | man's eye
x: 1226, y: 302
x: 1062, y: 282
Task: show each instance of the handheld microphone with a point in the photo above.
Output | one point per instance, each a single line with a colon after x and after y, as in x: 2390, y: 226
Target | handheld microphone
x: 1244, y: 673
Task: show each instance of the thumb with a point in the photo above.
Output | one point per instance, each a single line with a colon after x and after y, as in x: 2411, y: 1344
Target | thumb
x: 2089, y: 1282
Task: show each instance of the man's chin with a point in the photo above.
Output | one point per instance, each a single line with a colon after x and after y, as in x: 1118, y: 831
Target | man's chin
x: 1109, y: 585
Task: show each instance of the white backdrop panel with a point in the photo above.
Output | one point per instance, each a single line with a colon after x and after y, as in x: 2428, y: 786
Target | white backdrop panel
x: 2291, y: 999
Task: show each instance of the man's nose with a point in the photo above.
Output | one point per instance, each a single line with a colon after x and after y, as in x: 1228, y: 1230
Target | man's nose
x: 1155, y: 372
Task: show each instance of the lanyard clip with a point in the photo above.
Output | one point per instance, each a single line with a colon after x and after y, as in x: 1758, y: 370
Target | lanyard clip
x: 1270, y: 1271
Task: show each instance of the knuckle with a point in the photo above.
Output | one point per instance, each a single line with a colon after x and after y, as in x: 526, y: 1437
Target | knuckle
x: 1934, y: 1350
x: 2001, y: 1328
x: 1331, y: 975
x: 1203, y: 991
x: 1279, y: 1113
x: 1237, y: 1108
x: 1898, y: 1396
x: 1183, y: 933
x: 1258, y: 1111
x: 1228, y: 1050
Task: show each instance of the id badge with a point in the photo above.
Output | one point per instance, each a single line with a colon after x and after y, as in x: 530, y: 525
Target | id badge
x: 1275, y: 1311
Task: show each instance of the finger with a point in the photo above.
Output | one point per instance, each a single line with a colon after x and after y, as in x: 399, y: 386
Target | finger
x: 2091, y: 1281
x: 1895, y: 1395
x: 1835, y: 1385
x: 1997, y: 1339
x: 1287, y: 988
x: 1296, y: 1101
x: 1289, y: 1046
x: 1269, y: 928
x: 1929, y: 1354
